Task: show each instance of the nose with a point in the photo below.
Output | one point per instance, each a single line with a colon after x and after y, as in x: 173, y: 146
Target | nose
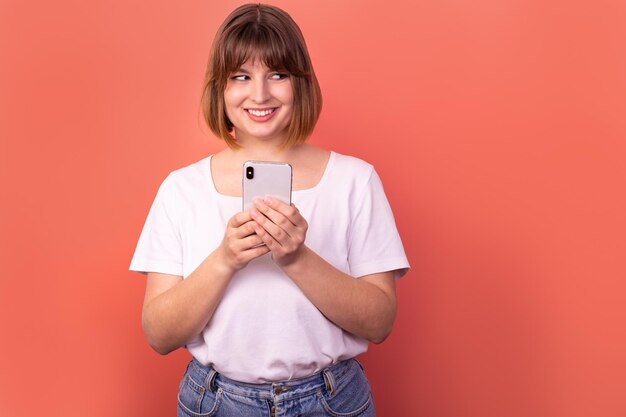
x: 260, y: 91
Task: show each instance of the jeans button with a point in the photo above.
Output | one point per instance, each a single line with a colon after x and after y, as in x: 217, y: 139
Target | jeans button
x: 280, y: 389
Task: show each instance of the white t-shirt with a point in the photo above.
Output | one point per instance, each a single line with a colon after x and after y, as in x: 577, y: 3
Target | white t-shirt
x: 264, y: 328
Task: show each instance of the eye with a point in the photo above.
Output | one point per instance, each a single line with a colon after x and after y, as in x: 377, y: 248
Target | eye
x: 240, y: 77
x: 279, y: 76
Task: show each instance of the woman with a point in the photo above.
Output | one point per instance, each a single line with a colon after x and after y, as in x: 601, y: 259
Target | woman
x: 275, y: 302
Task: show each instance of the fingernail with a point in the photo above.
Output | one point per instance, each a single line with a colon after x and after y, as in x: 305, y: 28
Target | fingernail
x: 267, y: 201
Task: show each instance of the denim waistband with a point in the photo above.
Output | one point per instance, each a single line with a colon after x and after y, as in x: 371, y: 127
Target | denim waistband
x: 328, y: 378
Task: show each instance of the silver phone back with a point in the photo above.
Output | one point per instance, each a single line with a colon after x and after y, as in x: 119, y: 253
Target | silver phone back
x: 269, y: 179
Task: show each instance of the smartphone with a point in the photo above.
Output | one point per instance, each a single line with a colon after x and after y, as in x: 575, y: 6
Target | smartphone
x: 262, y: 179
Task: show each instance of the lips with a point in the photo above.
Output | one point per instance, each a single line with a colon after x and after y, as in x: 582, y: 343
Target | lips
x: 261, y: 115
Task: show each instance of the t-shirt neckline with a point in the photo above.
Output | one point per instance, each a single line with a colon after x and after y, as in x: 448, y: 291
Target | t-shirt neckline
x: 320, y: 183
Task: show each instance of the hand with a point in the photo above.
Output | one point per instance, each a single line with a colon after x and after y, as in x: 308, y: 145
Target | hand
x: 241, y: 244
x: 281, y: 227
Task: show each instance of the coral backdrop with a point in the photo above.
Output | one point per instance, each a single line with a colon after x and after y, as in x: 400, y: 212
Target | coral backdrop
x: 498, y: 128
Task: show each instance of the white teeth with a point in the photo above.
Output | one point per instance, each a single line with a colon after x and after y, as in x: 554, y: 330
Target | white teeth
x: 260, y: 113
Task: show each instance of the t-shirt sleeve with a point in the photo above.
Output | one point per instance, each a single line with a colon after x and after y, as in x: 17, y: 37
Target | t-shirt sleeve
x: 375, y: 244
x: 159, y: 248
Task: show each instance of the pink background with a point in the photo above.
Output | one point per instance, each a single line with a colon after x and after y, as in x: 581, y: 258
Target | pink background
x: 498, y: 128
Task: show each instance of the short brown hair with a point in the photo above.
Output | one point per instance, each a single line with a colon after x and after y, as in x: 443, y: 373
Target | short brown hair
x: 267, y: 33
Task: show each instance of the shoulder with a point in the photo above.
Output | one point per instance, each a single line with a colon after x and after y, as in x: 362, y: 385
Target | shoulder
x: 351, y: 164
x: 190, y: 176
x: 351, y: 168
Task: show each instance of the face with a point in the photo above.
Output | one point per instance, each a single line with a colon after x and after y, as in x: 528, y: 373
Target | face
x: 259, y: 103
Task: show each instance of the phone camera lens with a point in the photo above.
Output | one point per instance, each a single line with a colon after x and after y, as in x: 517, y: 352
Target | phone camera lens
x: 249, y: 173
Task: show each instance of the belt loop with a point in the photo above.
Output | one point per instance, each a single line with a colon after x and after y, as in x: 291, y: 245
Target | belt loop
x: 329, y: 381
x: 210, y: 379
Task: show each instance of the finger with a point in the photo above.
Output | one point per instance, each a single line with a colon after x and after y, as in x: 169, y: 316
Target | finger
x: 268, y: 226
x: 257, y: 251
x: 239, y: 219
x: 244, y: 230
x: 288, y: 210
x: 274, y: 216
x: 249, y: 254
x: 266, y: 237
x: 251, y: 241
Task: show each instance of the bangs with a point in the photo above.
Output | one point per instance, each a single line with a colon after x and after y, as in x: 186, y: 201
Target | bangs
x: 254, y: 41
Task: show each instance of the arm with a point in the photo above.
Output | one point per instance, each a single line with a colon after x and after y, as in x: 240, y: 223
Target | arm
x: 175, y: 310
x: 365, y: 307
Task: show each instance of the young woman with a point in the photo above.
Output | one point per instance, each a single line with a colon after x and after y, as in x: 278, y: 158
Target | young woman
x: 274, y: 302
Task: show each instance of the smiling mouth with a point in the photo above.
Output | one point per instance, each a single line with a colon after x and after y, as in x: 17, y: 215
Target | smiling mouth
x: 261, y: 113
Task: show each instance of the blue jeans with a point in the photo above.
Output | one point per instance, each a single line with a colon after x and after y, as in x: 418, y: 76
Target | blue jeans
x: 340, y: 390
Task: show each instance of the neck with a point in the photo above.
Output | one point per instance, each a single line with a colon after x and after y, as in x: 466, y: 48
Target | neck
x: 265, y: 152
